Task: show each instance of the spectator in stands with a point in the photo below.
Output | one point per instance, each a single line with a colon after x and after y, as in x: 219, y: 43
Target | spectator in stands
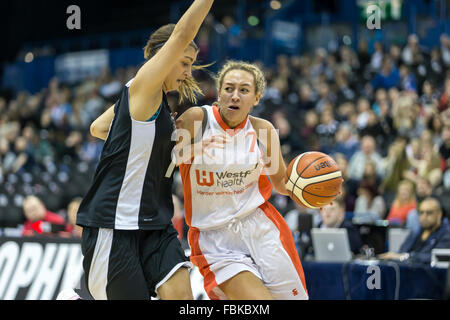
x: 408, y: 81
x: 380, y: 97
x: 444, y: 148
x: 423, y: 189
x: 403, y: 205
x: 369, y: 205
x: 435, y: 126
x: 345, y: 111
x: 412, y: 53
x: 367, y: 153
x: 363, y: 108
x: 325, y: 96
x: 346, y: 142
x: 429, y: 97
x: 110, y: 87
x: 24, y: 160
x: 326, y: 130
x: 333, y: 216
x: 306, y: 97
x: 444, y: 100
x: 374, y: 128
x: 344, y: 92
x: 407, y: 120
x: 363, y: 55
x: 435, y: 66
x: 395, y: 52
x: 41, y: 221
x: 388, y: 76
x: 445, y: 49
x: 308, y: 131
x: 6, y: 157
x: 429, y: 163
x: 376, y: 59
x: 289, y: 140
x: 61, y: 108
x: 91, y: 149
x: 72, y: 145
x: 370, y: 174
x: 434, y: 233
x: 350, y: 186
x: 395, y: 164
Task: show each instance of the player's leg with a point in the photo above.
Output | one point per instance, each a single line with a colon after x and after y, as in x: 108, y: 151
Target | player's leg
x: 245, y: 286
x: 165, y: 265
x: 111, y: 264
x: 226, y: 266
x: 276, y: 255
x: 178, y: 287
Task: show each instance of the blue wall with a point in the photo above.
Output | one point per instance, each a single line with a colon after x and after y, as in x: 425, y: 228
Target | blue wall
x: 36, y: 75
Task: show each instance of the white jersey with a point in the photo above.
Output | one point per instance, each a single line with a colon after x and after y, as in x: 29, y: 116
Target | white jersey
x: 230, y: 186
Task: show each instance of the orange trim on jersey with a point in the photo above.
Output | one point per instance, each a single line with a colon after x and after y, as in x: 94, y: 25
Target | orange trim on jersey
x: 199, y: 260
x: 185, y: 170
x: 265, y: 187
x: 223, y: 124
x: 286, y: 238
x: 197, y: 257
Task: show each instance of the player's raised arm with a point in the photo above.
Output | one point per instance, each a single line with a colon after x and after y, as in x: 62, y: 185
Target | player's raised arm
x: 145, y: 90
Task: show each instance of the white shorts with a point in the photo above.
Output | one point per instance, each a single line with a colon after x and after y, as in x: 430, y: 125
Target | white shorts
x: 260, y: 243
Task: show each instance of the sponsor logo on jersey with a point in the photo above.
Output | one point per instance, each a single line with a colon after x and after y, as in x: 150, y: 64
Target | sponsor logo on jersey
x: 203, y: 179
x: 221, y: 179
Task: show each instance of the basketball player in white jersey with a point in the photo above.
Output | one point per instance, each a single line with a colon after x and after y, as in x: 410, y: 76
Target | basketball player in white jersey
x: 240, y: 243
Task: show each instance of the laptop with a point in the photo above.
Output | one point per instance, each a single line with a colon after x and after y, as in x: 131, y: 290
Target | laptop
x: 331, y: 245
x: 396, y: 237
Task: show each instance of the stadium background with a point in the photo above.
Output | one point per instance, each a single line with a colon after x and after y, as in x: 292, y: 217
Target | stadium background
x: 326, y: 89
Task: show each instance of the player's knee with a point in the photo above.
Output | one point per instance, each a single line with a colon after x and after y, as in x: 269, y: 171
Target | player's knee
x: 178, y: 287
x: 170, y: 291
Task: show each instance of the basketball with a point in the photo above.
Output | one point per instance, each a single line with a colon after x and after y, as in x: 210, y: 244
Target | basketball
x: 313, y: 179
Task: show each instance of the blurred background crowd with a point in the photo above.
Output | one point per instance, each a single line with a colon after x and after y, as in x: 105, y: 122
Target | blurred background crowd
x: 381, y: 109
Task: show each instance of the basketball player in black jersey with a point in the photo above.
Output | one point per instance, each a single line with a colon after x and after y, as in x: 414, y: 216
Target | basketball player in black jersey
x: 130, y: 246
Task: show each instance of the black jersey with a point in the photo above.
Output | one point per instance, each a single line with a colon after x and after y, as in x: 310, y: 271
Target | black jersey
x: 130, y: 190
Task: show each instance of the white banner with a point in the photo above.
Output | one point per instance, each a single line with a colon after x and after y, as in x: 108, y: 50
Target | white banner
x: 76, y: 66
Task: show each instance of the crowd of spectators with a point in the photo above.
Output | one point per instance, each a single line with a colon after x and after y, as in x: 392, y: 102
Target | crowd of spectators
x: 45, y: 146
x: 382, y: 113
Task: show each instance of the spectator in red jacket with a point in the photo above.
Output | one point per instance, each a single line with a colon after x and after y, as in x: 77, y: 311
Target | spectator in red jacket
x: 404, y: 202
x: 41, y: 221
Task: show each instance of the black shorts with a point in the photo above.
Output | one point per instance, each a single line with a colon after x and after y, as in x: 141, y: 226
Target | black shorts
x: 130, y: 265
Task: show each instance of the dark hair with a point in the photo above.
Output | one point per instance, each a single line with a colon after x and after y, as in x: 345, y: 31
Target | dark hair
x: 369, y: 186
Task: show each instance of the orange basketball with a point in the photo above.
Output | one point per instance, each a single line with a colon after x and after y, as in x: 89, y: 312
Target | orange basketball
x: 313, y: 179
